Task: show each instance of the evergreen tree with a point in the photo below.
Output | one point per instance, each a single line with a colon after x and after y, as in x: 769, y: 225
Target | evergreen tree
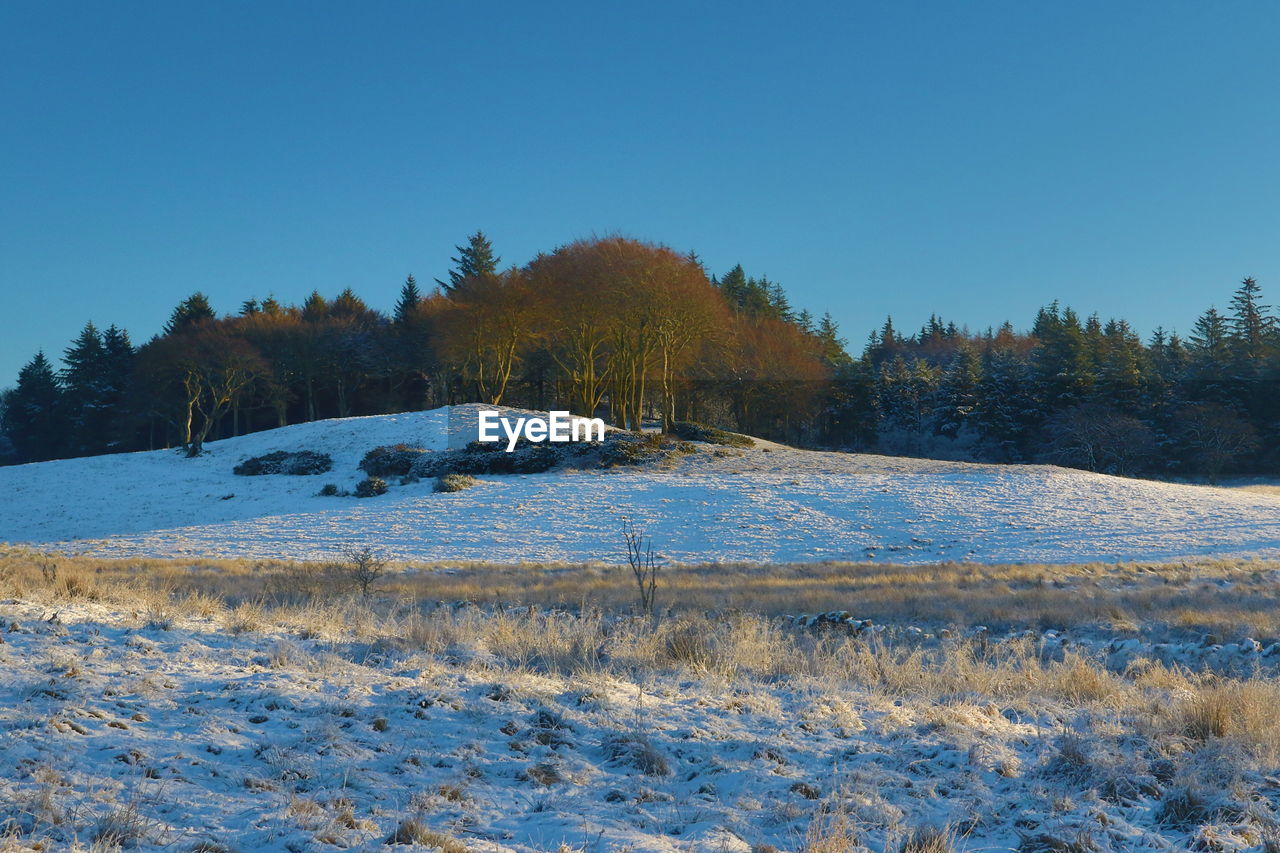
x: 1167, y: 358
x: 347, y: 305
x: 779, y: 304
x: 1061, y: 359
x: 882, y: 345
x: 84, y: 398
x: 1210, y: 338
x: 1253, y: 328
x: 1121, y: 368
x: 33, y: 412
x: 118, y: 364
x: 958, y: 395
x: 1005, y: 410
x: 905, y: 392
x: 1209, y: 375
x: 831, y: 344
x: 756, y: 297
x: 315, y: 308
x: 1094, y: 343
x: 933, y: 332
x: 894, y: 396
x: 1254, y: 363
x: 758, y: 300
x: 475, y: 260
x: 190, y: 313
x: 8, y: 453
x: 1164, y: 388
x: 409, y: 300
x: 805, y: 321
x: 734, y: 287
x: 84, y: 362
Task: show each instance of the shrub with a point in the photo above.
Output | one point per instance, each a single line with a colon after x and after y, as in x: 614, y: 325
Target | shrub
x: 476, y: 458
x: 302, y: 462
x: 371, y: 486
x: 629, y: 448
x: 544, y: 773
x: 1184, y: 808
x: 330, y: 490
x: 454, y: 482
x: 691, y: 431
x: 618, y: 448
x: 391, y: 461
x: 636, y: 750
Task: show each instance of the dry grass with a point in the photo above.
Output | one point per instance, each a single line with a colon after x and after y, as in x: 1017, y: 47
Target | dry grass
x: 1231, y: 597
x: 590, y: 641
x: 832, y: 830
x: 724, y: 637
x: 1240, y: 712
x: 741, y: 641
x: 413, y: 832
x: 928, y: 840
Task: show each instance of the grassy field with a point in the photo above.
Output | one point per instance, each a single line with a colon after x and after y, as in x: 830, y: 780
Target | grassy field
x: 533, y: 708
x: 1231, y: 597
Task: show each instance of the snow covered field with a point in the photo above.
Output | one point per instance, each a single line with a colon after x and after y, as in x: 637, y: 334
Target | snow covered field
x: 772, y: 503
x: 130, y: 723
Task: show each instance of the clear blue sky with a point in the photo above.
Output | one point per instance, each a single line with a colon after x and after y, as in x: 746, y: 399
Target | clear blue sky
x: 974, y: 159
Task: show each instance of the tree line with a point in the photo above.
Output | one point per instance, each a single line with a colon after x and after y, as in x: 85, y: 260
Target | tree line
x: 639, y: 333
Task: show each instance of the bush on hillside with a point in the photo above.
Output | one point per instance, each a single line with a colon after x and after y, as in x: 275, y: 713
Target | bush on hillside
x: 629, y: 448
x: 691, y: 431
x: 302, y: 462
x: 393, y: 461
x: 454, y: 482
x: 370, y: 487
x: 618, y: 448
x: 477, y: 458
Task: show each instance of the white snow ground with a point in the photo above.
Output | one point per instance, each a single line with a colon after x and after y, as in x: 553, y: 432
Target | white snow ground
x: 773, y: 503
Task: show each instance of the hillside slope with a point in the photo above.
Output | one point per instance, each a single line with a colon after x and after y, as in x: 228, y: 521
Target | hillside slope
x: 772, y: 503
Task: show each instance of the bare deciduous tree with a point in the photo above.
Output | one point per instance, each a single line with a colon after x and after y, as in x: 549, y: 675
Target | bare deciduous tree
x: 1098, y: 438
x: 644, y: 565
x: 362, y: 567
x: 1213, y: 438
x: 486, y: 325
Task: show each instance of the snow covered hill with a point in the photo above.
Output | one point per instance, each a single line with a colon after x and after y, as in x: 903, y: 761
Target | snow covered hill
x: 771, y: 503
